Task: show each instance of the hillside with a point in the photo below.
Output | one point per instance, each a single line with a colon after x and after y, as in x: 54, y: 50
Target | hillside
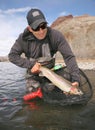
x: 80, y: 33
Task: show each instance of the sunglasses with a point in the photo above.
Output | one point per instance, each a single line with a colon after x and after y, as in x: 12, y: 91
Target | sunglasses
x: 42, y: 26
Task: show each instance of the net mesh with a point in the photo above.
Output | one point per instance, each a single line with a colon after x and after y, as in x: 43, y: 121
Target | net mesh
x: 56, y: 96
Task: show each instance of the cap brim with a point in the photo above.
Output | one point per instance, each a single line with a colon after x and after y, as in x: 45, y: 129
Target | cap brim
x: 37, y: 23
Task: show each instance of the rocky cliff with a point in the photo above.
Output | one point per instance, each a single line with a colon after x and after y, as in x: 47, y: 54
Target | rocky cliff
x: 80, y: 33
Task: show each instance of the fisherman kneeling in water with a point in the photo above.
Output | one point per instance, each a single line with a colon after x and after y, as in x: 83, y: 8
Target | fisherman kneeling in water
x: 39, y: 40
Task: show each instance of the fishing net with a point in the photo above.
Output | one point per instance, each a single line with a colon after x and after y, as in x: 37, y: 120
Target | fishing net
x: 53, y: 95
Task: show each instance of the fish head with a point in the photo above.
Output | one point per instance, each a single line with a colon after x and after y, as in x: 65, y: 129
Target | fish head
x: 76, y: 91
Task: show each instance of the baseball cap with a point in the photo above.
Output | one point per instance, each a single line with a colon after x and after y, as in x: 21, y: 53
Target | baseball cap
x: 35, y: 17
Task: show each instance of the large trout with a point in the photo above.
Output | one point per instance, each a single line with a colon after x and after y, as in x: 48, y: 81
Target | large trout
x: 59, y: 81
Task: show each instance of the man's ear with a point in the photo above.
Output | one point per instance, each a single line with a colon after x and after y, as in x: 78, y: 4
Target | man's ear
x: 29, y: 28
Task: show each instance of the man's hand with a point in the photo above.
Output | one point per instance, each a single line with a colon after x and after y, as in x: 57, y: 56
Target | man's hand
x: 75, y: 84
x: 74, y: 87
x: 36, y: 68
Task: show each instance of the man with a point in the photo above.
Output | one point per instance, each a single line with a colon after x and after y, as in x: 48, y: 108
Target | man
x: 38, y: 42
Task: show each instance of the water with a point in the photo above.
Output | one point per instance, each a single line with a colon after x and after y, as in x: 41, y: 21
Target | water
x: 16, y: 114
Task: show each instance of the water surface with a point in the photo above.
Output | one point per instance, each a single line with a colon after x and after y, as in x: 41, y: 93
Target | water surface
x: 15, y: 114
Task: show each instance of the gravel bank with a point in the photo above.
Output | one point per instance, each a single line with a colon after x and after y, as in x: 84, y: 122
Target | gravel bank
x: 83, y: 64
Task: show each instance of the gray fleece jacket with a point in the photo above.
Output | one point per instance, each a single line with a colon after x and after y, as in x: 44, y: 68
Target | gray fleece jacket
x: 32, y: 48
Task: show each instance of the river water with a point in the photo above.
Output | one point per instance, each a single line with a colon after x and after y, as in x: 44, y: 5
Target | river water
x: 15, y: 114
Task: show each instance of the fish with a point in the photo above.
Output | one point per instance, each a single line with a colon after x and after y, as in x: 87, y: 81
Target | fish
x: 59, y: 81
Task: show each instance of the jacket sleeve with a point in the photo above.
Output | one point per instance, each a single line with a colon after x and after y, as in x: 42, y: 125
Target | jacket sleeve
x: 16, y: 52
x: 69, y: 58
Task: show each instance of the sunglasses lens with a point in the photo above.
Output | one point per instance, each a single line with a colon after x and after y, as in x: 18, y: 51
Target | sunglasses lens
x: 43, y: 26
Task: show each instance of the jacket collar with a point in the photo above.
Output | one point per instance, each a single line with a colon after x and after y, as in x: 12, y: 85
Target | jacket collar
x: 27, y: 35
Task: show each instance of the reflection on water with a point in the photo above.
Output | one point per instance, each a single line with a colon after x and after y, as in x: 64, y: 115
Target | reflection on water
x: 38, y: 115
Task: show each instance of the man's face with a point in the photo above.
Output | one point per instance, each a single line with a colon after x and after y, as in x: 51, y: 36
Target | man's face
x: 40, y: 32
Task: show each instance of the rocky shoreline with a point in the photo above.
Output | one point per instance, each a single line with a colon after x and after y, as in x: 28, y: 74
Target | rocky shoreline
x: 83, y: 64
x: 87, y: 65
x: 3, y: 58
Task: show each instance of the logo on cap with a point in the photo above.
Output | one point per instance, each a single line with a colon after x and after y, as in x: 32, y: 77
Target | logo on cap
x: 36, y: 13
